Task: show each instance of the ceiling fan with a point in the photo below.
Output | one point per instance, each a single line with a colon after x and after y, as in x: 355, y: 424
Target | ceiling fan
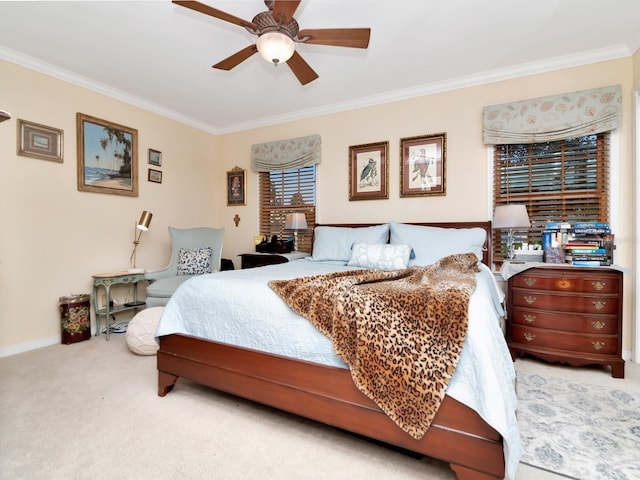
x: 277, y: 31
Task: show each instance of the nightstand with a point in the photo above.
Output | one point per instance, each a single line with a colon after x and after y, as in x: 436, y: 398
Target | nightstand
x: 106, y: 281
x: 252, y: 260
x: 567, y: 314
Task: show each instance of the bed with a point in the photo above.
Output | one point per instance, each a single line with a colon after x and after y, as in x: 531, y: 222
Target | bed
x: 474, y: 430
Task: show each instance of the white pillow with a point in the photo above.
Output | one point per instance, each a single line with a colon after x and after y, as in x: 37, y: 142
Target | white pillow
x: 194, y: 261
x: 334, y: 243
x: 380, y: 256
x: 430, y: 244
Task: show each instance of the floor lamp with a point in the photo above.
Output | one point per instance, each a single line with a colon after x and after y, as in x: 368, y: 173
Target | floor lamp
x: 511, y: 217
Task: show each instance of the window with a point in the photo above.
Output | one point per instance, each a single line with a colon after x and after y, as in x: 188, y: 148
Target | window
x: 288, y: 191
x: 566, y: 180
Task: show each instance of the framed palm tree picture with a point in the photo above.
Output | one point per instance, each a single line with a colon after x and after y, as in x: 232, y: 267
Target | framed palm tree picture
x: 107, y: 157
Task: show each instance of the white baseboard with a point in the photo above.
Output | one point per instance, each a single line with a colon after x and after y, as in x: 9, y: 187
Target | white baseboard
x: 26, y: 346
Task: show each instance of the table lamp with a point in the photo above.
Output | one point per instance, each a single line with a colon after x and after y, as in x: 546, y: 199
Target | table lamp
x: 295, y: 222
x: 141, y: 226
x: 511, y: 217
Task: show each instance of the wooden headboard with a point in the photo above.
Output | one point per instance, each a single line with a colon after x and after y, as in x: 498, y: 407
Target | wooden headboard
x: 486, y: 249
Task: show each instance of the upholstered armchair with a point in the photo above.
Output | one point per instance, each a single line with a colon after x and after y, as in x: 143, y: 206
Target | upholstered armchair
x: 194, y: 251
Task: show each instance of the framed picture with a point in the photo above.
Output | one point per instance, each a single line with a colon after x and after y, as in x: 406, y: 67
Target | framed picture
x: 236, y: 186
x: 154, y: 176
x: 369, y: 171
x: 39, y: 141
x: 107, y: 157
x: 422, y: 165
x: 155, y: 157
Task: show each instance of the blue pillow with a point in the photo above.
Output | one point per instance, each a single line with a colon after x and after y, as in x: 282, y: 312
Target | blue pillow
x: 430, y: 244
x: 334, y: 243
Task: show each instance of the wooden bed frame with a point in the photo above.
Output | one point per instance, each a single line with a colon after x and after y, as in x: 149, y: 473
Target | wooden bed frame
x: 327, y: 394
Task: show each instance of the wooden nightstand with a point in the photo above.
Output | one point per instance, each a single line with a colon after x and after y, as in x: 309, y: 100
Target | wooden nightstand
x: 567, y: 314
x: 252, y: 260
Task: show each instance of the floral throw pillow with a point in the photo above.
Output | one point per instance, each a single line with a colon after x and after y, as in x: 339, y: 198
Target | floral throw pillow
x: 194, y: 261
x: 380, y: 256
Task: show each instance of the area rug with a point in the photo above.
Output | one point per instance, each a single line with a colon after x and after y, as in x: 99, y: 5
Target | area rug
x: 578, y: 430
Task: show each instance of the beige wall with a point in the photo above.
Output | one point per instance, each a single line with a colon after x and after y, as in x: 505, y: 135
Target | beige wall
x: 53, y: 237
x: 33, y: 292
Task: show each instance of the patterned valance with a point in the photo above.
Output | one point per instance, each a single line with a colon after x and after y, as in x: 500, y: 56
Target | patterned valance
x: 553, y: 118
x: 285, y: 154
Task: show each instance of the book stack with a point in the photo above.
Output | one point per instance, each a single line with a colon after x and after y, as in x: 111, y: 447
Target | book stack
x: 589, y: 245
x: 554, y: 237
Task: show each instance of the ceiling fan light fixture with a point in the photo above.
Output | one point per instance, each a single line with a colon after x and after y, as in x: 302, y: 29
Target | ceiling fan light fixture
x: 275, y: 47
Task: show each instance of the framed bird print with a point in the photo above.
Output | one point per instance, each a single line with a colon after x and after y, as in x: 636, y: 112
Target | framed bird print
x: 422, y: 165
x: 369, y: 171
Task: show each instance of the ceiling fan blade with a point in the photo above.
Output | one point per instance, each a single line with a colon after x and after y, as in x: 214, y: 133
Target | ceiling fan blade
x: 284, y: 8
x: 214, y: 12
x: 301, y: 69
x: 337, y: 37
x: 236, y: 59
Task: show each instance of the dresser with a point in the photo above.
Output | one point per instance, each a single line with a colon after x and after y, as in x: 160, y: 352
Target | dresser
x: 567, y: 314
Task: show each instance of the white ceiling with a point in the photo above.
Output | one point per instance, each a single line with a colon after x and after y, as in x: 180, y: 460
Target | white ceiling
x: 158, y: 55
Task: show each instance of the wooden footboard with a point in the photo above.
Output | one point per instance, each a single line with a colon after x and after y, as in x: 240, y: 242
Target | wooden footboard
x: 327, y: 394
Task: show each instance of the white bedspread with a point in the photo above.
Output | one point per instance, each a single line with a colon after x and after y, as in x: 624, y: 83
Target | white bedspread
x: 239, y: 308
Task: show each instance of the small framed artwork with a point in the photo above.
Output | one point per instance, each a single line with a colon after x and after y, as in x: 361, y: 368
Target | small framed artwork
x: 155, y: 157
x: 154, y: 176
x: 236, y: 186
x: 369, y: 171
x: 422, y: 165
x: 107, y: 157
x: 40, y: 141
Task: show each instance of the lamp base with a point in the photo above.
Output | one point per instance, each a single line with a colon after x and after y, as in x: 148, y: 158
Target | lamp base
x: 135, y: 270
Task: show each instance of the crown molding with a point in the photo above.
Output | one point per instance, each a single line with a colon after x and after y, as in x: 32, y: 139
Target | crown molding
x: 515, y: 71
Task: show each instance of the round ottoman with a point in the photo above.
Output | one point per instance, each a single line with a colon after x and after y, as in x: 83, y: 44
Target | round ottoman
x: 141, y: 332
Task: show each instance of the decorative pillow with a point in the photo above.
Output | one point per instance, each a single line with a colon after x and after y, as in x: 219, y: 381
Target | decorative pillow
x: 334, y: 243
x: 430, y: 244
x: 380, y: 256
x: 194, y: 261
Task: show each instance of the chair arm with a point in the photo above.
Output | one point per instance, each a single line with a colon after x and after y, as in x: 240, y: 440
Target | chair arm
x: 158, y: 274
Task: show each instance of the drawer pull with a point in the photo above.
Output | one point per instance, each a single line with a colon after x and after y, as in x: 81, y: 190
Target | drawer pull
x: 530, y: 281
x: 529, y: 299
x: 529, y: 318
x: 598, y: 345
x: 530, y: 337
x: 598, y: 285
x: 599, y: 304
x: 564, y: 284
x: 598, y: 325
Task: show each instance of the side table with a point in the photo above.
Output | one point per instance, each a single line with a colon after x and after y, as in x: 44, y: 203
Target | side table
x: 253, y: 260
x: 106, y: 281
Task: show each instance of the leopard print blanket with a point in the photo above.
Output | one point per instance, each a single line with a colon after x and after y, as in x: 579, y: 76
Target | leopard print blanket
x: 400, y: 332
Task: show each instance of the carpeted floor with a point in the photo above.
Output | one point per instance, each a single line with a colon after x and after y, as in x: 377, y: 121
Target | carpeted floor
x: 90, y: 411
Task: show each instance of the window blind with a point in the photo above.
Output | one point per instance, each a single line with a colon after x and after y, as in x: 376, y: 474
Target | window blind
x: 565, y: 180
x: 288, y: 191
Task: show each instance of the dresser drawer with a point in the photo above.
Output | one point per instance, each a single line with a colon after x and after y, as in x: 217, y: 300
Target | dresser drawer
x: 593, y: 344
x: 568, y: 323
x: 568, y: 282
x: 587, y: 304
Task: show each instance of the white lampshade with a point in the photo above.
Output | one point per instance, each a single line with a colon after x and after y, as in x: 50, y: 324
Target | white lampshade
x: 295, y: 221
x: 275, y: 47
x: 511, y: 216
